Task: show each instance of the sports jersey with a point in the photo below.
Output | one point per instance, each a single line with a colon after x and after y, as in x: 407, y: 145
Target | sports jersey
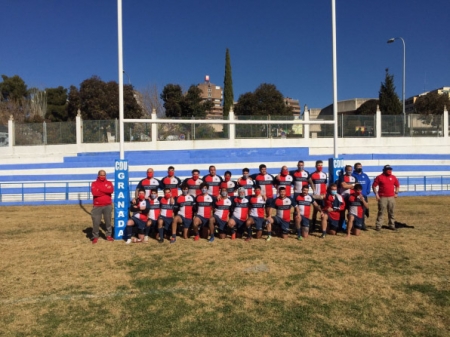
x: 285, y: 181
x: 319, y: 180
x: 300, y: 180
x: 148, y: 184
x: 247, y: 184
x: 194, y: 186
x: 265, y: 181
x: 347, y: 179
x: 240, y: 208
x: 257, y: 206
x: 283, y: 208
x: 155, y: 209
x: 334, y: 201
x: 304, y: 203
x: 230, y: 186
x: 222, y: 208
x: 173, y: 183
x: 166, y: 207
x: 185, y: 204
x: 355, y: 206
x: 214, y: 184
x: 138, y: 213
x: 204, y: 205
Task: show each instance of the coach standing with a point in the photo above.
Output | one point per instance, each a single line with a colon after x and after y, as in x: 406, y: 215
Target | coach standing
x: 102, y: 190
x: 386, y: 194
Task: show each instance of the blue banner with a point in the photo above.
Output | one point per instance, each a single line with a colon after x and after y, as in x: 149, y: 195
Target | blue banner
x: 121, y: 198
x: 335, y: 169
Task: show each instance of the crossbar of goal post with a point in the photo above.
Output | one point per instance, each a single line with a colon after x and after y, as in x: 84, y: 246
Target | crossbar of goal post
x: 224, y: 121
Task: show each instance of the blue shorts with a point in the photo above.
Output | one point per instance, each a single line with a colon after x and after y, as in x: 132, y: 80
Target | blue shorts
x: 269, y: 202
x: 283, y: 224
x: 305, y: 221
x: 186, y: 222
x: 153, y: 223
x: 259, y: 222
x: 319, y: 202
x: 220, y: 223
x: 167, y: 222
x: 205, y: 221
x: 139, y: 223
x: 357, y: 222
x: 333, y: 225
x: 238, y: 222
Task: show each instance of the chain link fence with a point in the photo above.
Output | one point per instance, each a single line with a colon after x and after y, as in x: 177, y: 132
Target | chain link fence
x: 45, y: 133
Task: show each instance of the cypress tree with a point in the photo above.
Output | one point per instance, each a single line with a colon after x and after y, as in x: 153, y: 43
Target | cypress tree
x: 390, y: 104
x: 228, y: 97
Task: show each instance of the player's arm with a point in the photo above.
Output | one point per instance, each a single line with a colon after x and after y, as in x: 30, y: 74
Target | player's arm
x: 311, y: 183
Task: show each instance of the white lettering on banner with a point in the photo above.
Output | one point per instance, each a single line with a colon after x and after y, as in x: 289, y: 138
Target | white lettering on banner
x: 121, y: 214
x: 121, y: 175
x: 121, y: 195
x: 121, y: 204
x: 120, y: 186
x: 120, y: 233
x: 120, y: 223
x: 121, y: 165
x: 338, y: 163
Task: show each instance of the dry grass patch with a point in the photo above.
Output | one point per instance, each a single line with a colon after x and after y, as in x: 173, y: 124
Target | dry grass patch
x: 55, y: 282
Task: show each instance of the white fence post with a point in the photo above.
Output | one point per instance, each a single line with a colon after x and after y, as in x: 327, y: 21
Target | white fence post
x: 445, y: 122
x: 11, y: 132
x: 306, y: 126
x: 154, y: 127
x: 79, y: 128
x: 378, y: 122
x: 232, y: 128
x: 44, y: 133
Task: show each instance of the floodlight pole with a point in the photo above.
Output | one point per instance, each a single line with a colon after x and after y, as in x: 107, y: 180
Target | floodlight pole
x: 121, y: 71
x: 335, y: 103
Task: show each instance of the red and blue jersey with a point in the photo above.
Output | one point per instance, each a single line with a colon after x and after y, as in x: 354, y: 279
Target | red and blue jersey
x: 355, y: 206
x: 284, y: 181
x: 194, y: 186
x: 304, y: 203
x: 248, y: 184
x: 230, y: 186
x: 185, y: 205
x: 240, y: 208
x: 283, y: 208
x: 319, y: 180
x: 265, y: 181
x: 204, y: 204
x: 300, y: 180
x: 148, y: 184
x: 214, y: 183
x: 257, y: 206
x: 173, y: 183
x: 166, y: 207
x: 155, y: 209
x: 222, y: 208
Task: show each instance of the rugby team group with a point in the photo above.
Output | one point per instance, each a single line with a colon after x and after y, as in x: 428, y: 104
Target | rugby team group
x: 214, y: 205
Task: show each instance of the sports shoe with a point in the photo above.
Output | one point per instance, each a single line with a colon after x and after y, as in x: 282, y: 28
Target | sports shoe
x: 94, y: 241
x: 299, y: 238
x: 173, y: 240
x: 392, y: 228
x: 109, y: 238
x: 146, y: 238
x: 233, y: 236
x: 323, y: 236
x: 269, y: 237
x: 197, y: 237
x: 211, y: 239
x: 378, y: 229
x: 248, y: 239
x: 128, y: 241
x: 161, y: 240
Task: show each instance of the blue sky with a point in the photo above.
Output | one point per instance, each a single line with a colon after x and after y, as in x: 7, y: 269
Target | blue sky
x: 288, y: 43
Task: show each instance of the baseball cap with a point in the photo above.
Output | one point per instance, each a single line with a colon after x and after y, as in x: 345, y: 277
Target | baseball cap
x: 387, y: 167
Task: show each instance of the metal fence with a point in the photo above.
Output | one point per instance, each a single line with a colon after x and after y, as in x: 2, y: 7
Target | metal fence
x: 45, y: 133
x: 66, y: 192
x: 183, y: 131
x: 348, y: 126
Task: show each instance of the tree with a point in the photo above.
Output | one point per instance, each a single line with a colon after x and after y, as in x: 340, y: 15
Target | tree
x: 74, y: 103
x: 192, y: 104
x: 13, y: 89
x: 265, y: 100
x: 431, y: 107
x: 172, y: 96
x: 56, y: 104
x: 150, y: 100
x: 368, y: 108
x: 228, y: 97
x: 389, y: 102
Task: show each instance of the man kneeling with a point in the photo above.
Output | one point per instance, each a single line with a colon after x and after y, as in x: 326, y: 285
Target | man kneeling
x: 356, y: 206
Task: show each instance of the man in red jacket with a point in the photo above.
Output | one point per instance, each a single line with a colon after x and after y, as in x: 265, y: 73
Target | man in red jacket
x: 386, y: 194
x: 102, y: 190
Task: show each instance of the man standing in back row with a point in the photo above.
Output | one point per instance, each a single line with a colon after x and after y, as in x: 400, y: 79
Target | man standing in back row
x: 386, y: 194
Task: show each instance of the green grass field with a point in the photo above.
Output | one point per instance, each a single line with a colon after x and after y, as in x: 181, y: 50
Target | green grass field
x: 56, y: 283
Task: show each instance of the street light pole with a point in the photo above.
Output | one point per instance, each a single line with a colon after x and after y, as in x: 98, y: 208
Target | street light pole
x: 129, y: 81
x: 391, y: 40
